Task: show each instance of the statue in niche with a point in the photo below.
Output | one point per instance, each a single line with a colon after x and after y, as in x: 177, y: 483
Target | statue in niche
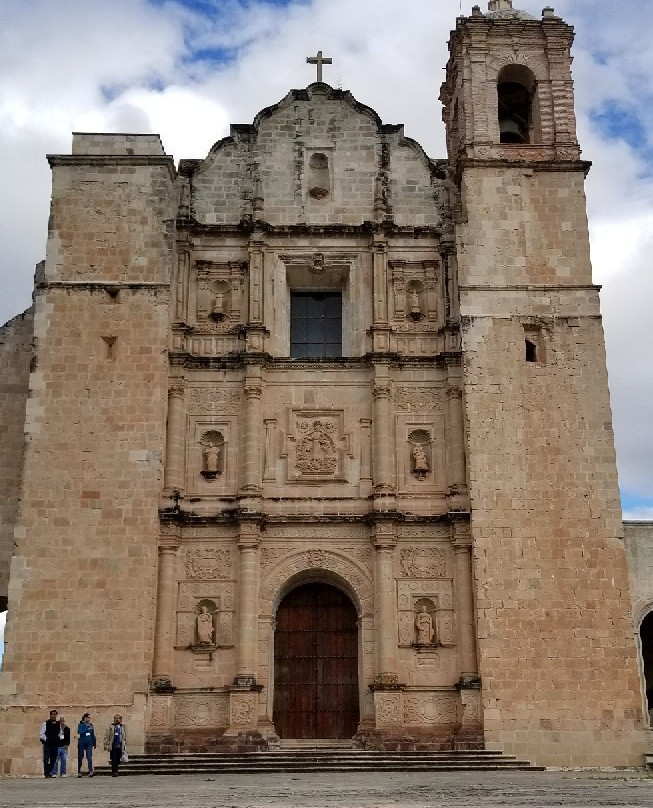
x: 217, y: 308
x: 212, y: 459
x: 420, y: 461
x: 212, y: 446
x: 204, y: 625
x: 423, y: 627
x: 415, y: 310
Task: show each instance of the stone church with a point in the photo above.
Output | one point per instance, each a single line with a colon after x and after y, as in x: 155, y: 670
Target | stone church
x: 311, y: 438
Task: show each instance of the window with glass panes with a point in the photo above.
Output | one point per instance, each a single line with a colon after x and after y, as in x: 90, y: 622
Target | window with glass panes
x: 315, y: 324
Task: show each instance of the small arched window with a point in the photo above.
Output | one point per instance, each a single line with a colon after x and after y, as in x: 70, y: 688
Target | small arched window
x: 517, y: 105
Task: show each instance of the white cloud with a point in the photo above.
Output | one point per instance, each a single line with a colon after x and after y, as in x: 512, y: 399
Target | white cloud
x: 113, y: 65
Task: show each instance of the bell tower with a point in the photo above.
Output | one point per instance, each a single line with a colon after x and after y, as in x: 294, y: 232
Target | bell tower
x: 557, y: 656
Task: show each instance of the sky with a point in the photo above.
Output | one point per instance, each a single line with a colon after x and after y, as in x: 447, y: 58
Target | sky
x: 186, y: 69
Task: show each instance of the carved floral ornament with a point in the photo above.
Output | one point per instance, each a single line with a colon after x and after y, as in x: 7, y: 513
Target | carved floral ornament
x: 357, y: 577
x: 417, y: 399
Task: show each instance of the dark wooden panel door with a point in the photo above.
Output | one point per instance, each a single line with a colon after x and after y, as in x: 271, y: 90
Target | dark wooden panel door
x: 316, y: 664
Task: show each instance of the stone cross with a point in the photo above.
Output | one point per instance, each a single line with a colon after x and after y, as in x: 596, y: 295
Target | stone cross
x: 319, y: 60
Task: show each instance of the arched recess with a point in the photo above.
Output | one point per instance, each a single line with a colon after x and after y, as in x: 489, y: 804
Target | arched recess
x: 316, y: 650
x: 646, y: 651
x: 352, y: 577
x: 518, y: 106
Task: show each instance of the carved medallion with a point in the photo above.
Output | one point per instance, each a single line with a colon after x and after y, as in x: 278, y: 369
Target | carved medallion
x: 213, y: 401
x: 424, y: 562
x: 208, y: 563
x: 316, y: 449
x: 417, y: 399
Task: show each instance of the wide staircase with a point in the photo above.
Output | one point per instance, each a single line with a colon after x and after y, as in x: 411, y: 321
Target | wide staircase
x: 315, y: 756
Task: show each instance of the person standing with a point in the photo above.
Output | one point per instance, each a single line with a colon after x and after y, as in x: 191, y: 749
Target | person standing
x: 49, y: 737
x: 86, y: 743
x: 115, y: 743
x: 62, y: 751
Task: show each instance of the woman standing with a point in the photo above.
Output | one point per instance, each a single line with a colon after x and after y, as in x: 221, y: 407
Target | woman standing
x: 85, y: 744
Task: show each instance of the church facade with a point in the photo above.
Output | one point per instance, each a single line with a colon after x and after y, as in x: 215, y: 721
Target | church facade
x: 317, y: 434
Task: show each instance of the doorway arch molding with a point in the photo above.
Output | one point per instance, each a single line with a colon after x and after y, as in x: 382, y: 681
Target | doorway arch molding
x: 326, y: 566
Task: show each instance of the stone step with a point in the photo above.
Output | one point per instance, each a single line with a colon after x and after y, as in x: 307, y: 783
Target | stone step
x: 320, y: 761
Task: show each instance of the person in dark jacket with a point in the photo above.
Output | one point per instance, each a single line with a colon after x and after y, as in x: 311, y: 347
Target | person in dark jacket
x: 62, y: 753
x: 85, y: 744
x: 49, y: 737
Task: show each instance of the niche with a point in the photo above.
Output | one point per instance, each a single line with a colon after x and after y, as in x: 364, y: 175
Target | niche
x: 212, y: 443
x: 219, y: 302
x: 319, y: 180
x: 517, y: 105
x: 205, y: 627
x: 415, y: 301
x: 419, y: 441
x: 425, y: 623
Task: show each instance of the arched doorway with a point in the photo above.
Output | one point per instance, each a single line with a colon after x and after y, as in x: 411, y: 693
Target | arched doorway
x: 646, y: 639
x: 316, y: 664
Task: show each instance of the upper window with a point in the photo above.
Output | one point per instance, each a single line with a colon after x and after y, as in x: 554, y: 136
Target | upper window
x: 315, y: 324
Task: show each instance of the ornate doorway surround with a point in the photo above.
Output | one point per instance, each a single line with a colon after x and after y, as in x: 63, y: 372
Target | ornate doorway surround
x: 316, y: 664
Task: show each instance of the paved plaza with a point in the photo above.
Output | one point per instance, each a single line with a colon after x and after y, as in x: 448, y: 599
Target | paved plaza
x: 336, y: 790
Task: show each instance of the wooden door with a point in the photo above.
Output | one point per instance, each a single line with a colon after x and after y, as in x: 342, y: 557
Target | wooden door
x: 316, y: 664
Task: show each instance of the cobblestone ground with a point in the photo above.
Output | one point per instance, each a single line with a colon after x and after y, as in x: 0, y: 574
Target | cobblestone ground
x: 374, y: 790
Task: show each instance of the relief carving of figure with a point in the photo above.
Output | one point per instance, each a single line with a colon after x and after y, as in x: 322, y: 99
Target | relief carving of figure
x: 212, y: 459
x: 316, y: 452
x: 423, y: 627
x: 205, y: 630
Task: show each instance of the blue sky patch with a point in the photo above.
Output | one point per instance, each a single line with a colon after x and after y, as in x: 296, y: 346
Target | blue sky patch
x: 632, y: 502
x: 619, y: 122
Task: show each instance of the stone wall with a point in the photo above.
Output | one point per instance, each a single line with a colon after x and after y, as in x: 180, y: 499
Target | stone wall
x: 15, y: 356
x: 550, y: 571
x: 83, y: 584
x: 638, y: 539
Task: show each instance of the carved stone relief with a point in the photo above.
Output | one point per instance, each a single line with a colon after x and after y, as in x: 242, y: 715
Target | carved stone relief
x: 358, y: 578
x: 316, y: 445
x: 160, y: 711
x: 200, y: 710
x: 424, y: 562
x: 471, y: 706
x: 387, y: 707
x: 208, y: 563
x: 425, y: 627
x: 213, y: 401
x: 316, y: 448
x: 418, y: 399
x: 432, y: 708
x: 243, y: 709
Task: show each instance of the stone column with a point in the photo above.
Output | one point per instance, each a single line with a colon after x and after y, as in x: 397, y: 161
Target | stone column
x: 385, y: 606
x: 251, y: 440
x: 255, y: 329
x: 174, y: 468
x: 456, y: 481
x: 383, y: 441
x: 164, y: 634
x: 465, y: 603
x: 248, y: 582
x: 380, y: 328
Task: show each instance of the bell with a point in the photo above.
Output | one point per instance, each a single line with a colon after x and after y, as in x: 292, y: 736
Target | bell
x: 510, y: 131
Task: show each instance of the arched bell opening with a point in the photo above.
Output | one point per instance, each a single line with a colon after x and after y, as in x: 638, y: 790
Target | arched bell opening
x: 517, y: 105
x: 316, y: 651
